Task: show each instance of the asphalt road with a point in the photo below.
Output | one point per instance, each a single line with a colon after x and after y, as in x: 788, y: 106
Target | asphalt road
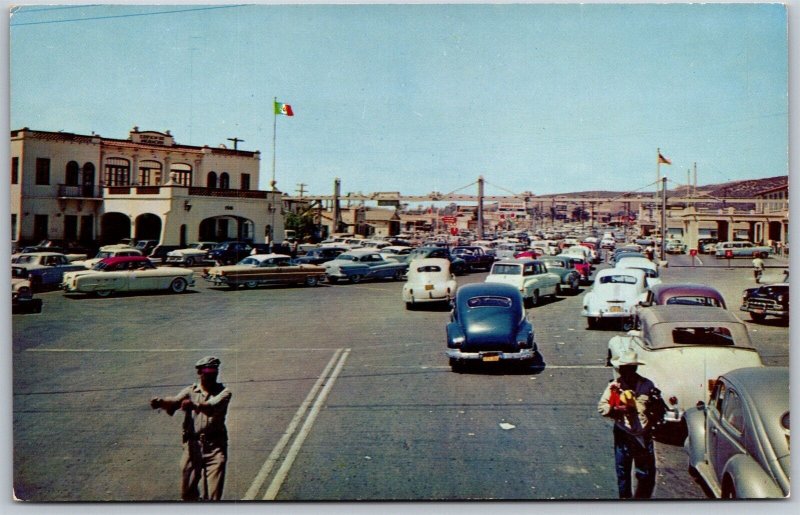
x: 339, y: 393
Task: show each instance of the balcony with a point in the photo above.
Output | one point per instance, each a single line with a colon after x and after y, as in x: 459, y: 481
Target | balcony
x: 214, y: 192
x: 88, y: 191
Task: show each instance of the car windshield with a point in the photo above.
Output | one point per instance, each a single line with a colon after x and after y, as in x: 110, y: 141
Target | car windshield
x: 104, y: 254
x: 702, y: 336
x: 488, y: 301
x: 221, y: 246
x: 346, y: 257
x: 614, y: 279
x: 506, y: 270
x: 26, y: 259
x: 249, y: 261
x: 554, y: 263
x: 195, y: 246
x: 648, y: 272
x: 100, y: 265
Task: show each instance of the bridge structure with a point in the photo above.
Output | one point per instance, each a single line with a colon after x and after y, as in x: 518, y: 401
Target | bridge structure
x: 763, y: 224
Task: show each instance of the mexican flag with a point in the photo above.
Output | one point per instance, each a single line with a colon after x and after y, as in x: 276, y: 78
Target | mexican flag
x: 285, y: 109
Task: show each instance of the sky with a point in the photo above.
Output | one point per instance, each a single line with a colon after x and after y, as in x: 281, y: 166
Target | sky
x: 420, y: 98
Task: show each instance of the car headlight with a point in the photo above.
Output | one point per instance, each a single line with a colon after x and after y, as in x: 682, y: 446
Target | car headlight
x: 458, y: 340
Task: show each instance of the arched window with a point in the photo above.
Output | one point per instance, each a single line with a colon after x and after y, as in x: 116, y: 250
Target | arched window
x: 117, y: 172
x: 73, y: 172
x: 224, y: 181
x: 88, y: 180
x: 183, y: 174
x: 149, y: 173
x: 211, y: 180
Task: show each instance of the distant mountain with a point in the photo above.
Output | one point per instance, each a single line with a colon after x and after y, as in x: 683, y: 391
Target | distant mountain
x: 734, y: 189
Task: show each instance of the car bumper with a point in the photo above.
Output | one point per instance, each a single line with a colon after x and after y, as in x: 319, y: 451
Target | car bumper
x: 426, y: 296
x: 765, y: 311
x: 216, y: 279
x: 607, y: 314
x: 522, y: 355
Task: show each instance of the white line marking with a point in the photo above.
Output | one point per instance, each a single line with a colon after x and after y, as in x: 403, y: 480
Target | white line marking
x: 266, y: 468
x: 296, y: 349
x: 280, y: 476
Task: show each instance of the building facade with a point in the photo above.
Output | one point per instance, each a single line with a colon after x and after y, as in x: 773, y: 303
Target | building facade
x: 86, y: 188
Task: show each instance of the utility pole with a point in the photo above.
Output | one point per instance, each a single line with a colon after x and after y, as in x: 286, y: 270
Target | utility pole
x: 236, y: 142
x: 480, y: 207
x: 663, y: 217
x: 301, y: 189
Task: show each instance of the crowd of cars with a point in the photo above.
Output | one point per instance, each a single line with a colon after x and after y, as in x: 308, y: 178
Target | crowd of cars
x: 696, y: 350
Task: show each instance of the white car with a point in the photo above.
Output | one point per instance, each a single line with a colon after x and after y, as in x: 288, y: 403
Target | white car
x: 530, y: 277
x: 684, y: 349
x: 615, y: 294
x: 195, y: 253
x: 429, y: 280
x: 107, y: 251
x: 127, y: 274
x: 396, y: 252
x: 650, y: 269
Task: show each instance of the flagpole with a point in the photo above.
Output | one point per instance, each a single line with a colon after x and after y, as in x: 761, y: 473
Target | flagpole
x: 274, y: 139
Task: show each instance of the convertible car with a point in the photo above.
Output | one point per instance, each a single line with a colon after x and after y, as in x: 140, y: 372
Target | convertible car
x: 127, y: 273
x: 738, y: 443
x: 684, y: 348
x: 429, y: 280
x: 488, y: 324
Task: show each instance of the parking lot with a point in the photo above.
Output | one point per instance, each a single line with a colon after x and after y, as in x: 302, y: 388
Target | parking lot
x: 339, y: 393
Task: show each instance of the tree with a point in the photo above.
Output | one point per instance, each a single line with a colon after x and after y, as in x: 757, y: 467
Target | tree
x: 303, y: 225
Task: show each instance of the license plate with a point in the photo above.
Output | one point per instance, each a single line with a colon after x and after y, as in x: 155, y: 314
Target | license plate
x: 616, y: 309
x: 428, y: 287
x: 494, y: 357
x: 758, y: 311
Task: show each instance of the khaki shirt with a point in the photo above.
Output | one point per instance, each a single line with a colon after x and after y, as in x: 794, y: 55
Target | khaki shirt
x: 208, y: 418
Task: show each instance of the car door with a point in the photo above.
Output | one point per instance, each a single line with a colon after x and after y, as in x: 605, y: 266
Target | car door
x: 726, y: 437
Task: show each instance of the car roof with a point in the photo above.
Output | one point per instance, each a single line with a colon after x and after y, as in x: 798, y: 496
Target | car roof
x: 687, y: 314
x: 264, y: 257
x: 634, y: 261
x: 440, y: 262
x: 673, y: 289
x: 619, y: 271
x: 476, y: 289
x: 359, y: 252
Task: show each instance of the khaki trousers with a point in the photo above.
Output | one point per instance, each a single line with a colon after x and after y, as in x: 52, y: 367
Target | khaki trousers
x: 203, y: 465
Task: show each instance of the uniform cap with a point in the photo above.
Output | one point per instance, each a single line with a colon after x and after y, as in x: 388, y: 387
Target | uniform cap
x: 208, y: 361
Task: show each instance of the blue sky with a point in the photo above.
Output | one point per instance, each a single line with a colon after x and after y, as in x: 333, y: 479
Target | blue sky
x: 415, y: 98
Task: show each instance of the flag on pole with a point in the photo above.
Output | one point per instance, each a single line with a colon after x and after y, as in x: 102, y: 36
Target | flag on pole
x: 663, y: 160
x: 284, y: 109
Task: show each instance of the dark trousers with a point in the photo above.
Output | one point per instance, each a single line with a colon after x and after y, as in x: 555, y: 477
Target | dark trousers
x: 630, y: 450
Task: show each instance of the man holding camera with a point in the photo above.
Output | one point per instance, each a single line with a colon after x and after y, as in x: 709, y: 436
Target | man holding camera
x: 626, y: 402
x: 205, y: 437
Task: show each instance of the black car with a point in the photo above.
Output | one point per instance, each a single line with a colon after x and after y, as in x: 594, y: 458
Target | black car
x: 767, y: 300
x: 489, y: 324
x: 230, y: 252
x: 319, y: 255
x: 159, y: 252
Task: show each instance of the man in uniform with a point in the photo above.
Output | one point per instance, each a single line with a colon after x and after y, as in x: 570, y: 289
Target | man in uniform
x: 205, y: 437
x: 758, y: 267
x: 624, y: 400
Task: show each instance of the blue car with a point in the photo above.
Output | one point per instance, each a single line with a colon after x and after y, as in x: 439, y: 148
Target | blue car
x: 488, y: 324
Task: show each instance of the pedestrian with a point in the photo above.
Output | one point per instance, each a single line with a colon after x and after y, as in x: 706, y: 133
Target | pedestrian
x: 758, y: 267
x: 205, y: 437
x: 625, y: 401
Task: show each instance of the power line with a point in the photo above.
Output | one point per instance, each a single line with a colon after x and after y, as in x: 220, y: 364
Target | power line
x: 91, y: 18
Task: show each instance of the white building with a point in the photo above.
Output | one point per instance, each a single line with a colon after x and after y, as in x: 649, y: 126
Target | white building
x: 92, y: 189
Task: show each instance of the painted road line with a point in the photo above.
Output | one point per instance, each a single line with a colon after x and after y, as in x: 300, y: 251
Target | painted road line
x: 220, y: 349
x: 268, y: 465
x: 280, y: 476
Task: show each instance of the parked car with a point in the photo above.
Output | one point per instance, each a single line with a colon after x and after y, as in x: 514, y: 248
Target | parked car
x: 396, y: 252
x: 564, y: 267
x: 125, y: 274
x: 766, y: 300
x: 582, y: 266
x: 685, y: 294
x: 261, y: 269
x: 738, y: 443
x: 650, y: 269
x: 530, y: 277
x: 615, y: 294
x: 739, y: 249
x: 529, y: 254
x: 488, y: 324
x: 22, y: 300
x: 359, y: 264
x: 675, y: 246
x: 707, y: 245
x: 508, y: 250
x: 43, y: 269
x: 429, y: 280
x: 457, y: 265
x: 684, y: 349
x: 108, y: 251
x: 230, y: 252
x: 196, y: 252
x: 72, y: 253
x: 475, y: 257
x: 159, y: 254
x: 146, y: 246
x: 319, y: 255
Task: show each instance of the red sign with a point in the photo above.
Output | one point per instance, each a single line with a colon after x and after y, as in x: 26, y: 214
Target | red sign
x: 728, y: 253
x: 449, y: 219
x: 454, y: 231
x: 692, y: 252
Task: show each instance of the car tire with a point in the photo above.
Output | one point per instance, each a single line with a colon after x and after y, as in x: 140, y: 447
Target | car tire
x: 591, y: 322
x: 333, y: 280
x: 627, y: 324
x: 409, y: 306
x: 311, y: 281
x: 456, y: 365
x: 757, y: 317
x: 764, y: 255
x: 355, y: 279
x: 178, y: 285
x: 250, y: 284
x: 558, y: 290
x: 574, y: 283
x: 103, y: 293
x: 398, y: 275
x: 534, y: 298
x: 189, y: 261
